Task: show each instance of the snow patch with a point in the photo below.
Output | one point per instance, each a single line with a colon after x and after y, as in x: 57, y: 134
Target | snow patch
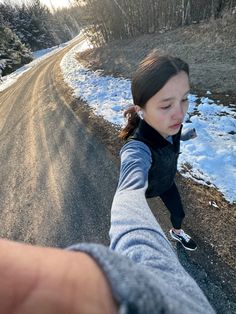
x: 210, y: 158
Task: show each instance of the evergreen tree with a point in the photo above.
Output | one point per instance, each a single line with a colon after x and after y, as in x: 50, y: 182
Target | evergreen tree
x: 67, y: 25
x: 21, y: 25
x: 31, y: 26
x: 40, y: 28
x: 12, y: 52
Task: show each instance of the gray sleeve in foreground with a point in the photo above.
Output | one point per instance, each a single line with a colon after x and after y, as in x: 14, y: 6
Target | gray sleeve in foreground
x: 136, y: 234
x: 140, y: 290
x: 141, y: 267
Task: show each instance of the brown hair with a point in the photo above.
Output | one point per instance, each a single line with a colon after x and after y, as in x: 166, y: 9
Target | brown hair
x: 152, y: 74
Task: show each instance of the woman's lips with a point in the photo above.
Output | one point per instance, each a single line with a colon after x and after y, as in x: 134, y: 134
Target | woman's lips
x: 175, y: 126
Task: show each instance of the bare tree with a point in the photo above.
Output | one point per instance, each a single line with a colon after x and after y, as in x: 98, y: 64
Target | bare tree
x: 119, y: 19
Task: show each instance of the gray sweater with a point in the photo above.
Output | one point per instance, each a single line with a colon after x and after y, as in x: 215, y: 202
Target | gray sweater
x: 141, y: 266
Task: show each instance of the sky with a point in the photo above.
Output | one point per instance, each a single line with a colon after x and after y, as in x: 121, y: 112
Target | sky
x: 57, y: 3
x: 209, y: 159
x: 50, y: 3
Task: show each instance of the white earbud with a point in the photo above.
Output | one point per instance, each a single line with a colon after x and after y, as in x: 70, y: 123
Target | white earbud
x: 140, y: 114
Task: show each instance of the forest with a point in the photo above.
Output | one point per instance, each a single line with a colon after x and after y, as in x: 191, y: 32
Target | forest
x: 25, y: 28
x: 31, y: 26
x: 108, y: 20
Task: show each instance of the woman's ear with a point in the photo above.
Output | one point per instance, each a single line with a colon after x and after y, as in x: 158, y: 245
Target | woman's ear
x: 139, y: 111
x: 137, y: 108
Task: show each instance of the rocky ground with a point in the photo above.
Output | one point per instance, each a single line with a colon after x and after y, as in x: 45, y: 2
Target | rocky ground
x: 210, y: 50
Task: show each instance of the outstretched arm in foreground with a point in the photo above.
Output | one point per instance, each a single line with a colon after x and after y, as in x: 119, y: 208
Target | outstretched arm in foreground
x: 44, y: 280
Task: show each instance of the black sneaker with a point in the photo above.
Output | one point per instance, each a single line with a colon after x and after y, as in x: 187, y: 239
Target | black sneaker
x: 184, y: 239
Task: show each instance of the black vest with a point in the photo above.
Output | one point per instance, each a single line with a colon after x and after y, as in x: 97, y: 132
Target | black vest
x: 164, y: 158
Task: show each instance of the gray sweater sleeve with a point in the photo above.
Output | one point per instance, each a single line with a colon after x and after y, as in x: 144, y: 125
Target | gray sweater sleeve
x: 143, y: 271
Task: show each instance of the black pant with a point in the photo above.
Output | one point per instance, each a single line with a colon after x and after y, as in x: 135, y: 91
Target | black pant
x: 171, y: 199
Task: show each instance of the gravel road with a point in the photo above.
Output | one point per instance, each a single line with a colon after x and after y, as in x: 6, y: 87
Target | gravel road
x: 57, y: 180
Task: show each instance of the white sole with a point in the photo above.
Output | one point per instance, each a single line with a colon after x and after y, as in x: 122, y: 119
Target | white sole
x: 177, y: 239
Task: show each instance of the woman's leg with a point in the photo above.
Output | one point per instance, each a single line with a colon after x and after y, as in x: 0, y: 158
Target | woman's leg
x: 172, y: 201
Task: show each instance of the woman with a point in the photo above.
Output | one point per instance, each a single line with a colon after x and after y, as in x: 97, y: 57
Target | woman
x: 140, y: 273
x: 160, y: 90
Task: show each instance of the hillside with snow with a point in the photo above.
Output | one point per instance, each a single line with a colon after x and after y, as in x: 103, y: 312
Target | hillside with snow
x: 208, y: 159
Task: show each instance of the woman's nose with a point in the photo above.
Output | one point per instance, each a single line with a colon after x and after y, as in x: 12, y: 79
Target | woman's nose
x: 179, y: 113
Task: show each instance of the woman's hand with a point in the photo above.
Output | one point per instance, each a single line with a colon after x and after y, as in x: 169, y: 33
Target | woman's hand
x: 46, y: 280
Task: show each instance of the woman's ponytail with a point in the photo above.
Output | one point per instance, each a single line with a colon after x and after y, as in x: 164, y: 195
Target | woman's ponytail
x: 132, y: 123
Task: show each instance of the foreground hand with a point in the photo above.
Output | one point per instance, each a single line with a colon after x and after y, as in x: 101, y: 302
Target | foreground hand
x: 44, y: 280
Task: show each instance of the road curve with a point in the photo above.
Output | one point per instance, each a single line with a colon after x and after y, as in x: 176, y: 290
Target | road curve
x: 51, y: 192
x: 57, y: 179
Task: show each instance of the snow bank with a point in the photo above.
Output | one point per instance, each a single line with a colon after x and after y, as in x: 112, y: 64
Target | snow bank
x: 209, y: 159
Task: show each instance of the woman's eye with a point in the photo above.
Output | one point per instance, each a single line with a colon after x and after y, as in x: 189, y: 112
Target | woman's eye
x: 166, y: 107
x: 185, y: 99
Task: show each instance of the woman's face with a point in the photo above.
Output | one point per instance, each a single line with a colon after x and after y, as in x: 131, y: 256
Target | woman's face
x: 165, y: 111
